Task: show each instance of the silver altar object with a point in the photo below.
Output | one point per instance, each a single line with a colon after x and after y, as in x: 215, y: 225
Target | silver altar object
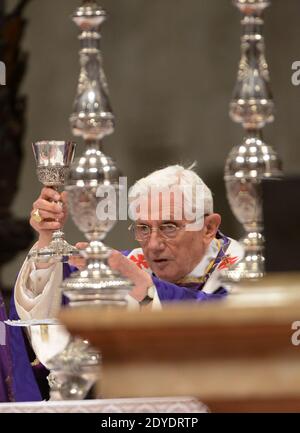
x: 74, y: 371
x: 53, y: 159
x: 92, y: 116
x: 252, y: 160
x: 90, y: 177
x: 93, y: 119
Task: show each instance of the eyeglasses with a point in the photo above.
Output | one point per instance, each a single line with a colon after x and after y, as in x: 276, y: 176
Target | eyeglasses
x: 142, y: 232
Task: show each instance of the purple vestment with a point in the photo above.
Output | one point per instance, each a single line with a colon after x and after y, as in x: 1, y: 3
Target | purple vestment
x: 25, y: 376
x: 6, y: 391
x: 169, y: 292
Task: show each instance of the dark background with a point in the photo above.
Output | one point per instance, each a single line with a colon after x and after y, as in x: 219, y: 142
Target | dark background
x: 171, y: 67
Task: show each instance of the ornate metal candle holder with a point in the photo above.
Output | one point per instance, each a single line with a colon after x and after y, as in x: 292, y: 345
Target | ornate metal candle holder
x: 92, y: 118
x: 53, y: 159
x: 90, y: 176
x: 252, y: 160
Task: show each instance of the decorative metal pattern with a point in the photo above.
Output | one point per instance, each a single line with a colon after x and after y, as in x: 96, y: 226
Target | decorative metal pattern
x: 52, y: 176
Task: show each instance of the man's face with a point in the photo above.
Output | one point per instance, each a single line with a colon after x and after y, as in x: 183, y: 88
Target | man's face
x: 172, y: 258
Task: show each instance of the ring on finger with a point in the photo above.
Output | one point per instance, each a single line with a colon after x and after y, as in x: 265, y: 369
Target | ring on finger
x: 36, y: 216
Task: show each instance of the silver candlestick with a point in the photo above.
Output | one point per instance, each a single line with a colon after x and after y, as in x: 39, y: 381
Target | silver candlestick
x: 252, y: 160
x: 90, y: 177
x: 92, y: 116
x: 53, y: 160
x: 92, y: 119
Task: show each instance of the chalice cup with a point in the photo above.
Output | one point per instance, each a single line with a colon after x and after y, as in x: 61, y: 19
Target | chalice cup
x: 53, y: 159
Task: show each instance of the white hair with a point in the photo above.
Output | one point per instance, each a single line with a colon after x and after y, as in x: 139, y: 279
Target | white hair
x: 188, y: 182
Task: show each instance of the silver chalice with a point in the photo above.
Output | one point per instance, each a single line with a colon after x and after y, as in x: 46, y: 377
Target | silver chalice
x: 53, y: 159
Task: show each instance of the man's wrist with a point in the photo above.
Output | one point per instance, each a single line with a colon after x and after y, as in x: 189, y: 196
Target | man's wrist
x: 149, y: 296
x: 141, y: 286
x: 43, y: 242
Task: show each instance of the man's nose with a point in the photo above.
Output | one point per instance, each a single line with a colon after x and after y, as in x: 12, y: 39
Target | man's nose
x: 156, y: 242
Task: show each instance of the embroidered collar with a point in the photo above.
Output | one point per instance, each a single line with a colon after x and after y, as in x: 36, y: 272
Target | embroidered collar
x: 204, y: 265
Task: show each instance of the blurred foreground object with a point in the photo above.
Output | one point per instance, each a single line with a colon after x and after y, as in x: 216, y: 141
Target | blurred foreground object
x: 120, y: 405
x: 240, y: 354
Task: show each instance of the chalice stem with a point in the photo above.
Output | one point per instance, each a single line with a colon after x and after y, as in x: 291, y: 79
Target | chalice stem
x: 59, y: 233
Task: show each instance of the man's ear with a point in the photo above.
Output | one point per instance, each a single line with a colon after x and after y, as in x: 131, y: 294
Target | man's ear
x: 211, y: 225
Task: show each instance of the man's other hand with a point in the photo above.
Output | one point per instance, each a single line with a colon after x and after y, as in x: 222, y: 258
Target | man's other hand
x: 141, y: 279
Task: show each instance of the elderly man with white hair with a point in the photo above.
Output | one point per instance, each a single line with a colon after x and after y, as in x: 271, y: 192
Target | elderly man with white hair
x: 181, y: 247
x: 180, y: 256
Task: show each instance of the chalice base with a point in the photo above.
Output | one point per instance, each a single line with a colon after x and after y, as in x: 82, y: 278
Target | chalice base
x: 59, y: 250
x: 74, y: 371
x: 72, y: 385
